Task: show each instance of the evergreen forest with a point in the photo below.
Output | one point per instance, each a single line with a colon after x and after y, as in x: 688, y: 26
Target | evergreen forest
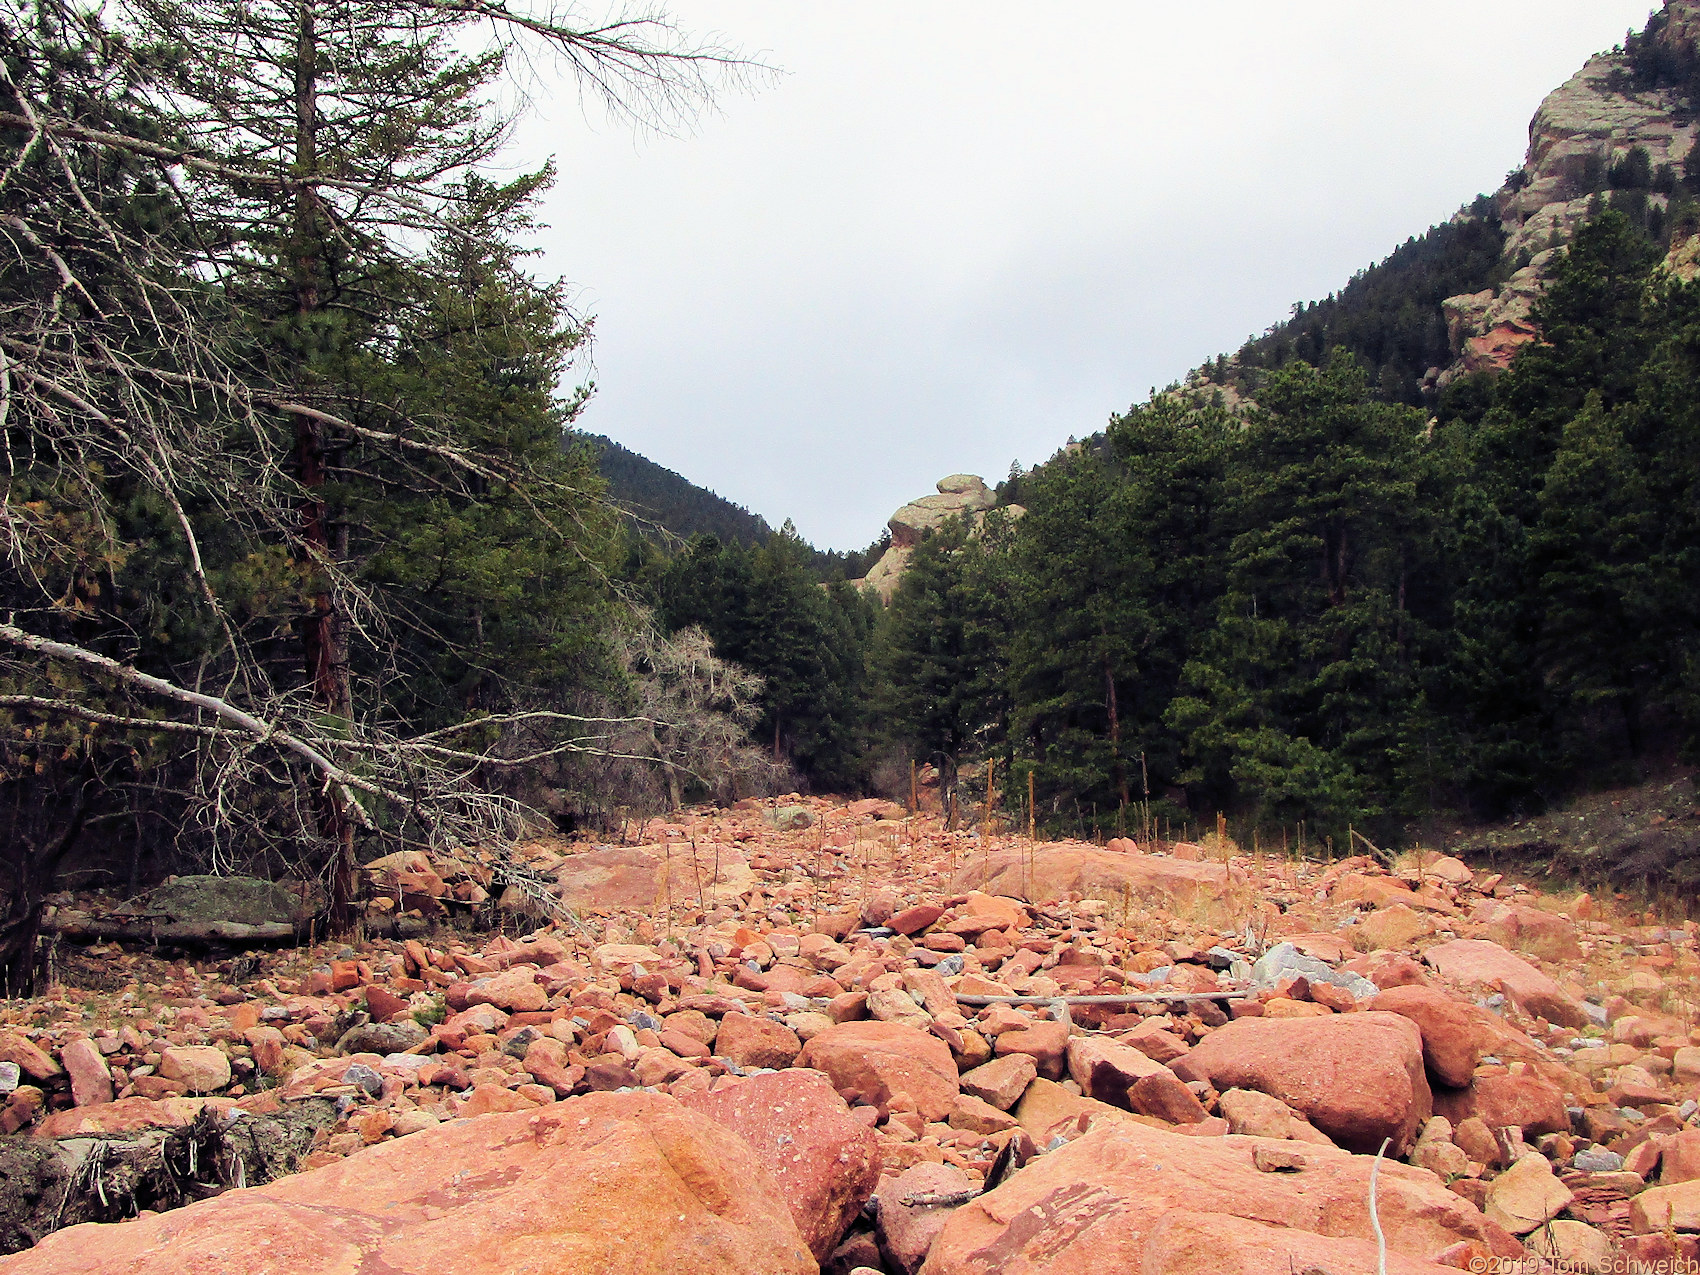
x: 306, y: 560
x: 1337, y: 610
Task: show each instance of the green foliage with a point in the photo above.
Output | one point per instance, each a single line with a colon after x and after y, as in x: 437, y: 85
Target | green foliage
x: 1389, y: 315
x: 941, y: 648
x: 1334, y: 609
x: 764, y: 609
x: 1297, y: 703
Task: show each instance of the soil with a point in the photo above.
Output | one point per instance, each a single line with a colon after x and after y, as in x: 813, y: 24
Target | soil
x: 47, y: 1185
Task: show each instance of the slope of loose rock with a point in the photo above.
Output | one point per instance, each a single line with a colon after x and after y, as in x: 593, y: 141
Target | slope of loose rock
x: 863, y: 956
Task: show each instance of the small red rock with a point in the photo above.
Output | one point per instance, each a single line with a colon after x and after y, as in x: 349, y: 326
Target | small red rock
x: 1161, y: 1094
x: 91, y: 1081
x: 750, y: 1041
x: 383, y: 1004
x: 915, y: 919
x: 1044, y: 1041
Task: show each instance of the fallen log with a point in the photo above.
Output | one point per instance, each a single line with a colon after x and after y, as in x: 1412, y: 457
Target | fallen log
x: 85, y: 927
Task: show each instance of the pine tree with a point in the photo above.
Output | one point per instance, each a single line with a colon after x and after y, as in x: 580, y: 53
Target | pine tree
x: 942, y: 645
x: 1590, y: 558
x: 260, y: 357
x: 1297, y: 697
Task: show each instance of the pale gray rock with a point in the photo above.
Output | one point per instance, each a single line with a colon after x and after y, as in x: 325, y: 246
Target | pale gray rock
x: 1284, y: 961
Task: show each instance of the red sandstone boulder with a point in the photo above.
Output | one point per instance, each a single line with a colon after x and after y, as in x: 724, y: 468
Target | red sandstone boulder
x: 1127, y: 1199
x: 1534, y: 1105
x: 914, y: 920
x: 825, y: 1162
x: 1681, y: 1159
x: 91, y: 1081
x: 1388, y: 969
x: 198, y: 1068
x: 1155, y: 1042
x: 1485, y: 964
x: 1452, y: 1044
x: 515, y: 990
x: 35, y: 1062
x: 1545, y: 934
x: 1357, y: 1077
x: 907, y: 1232
x: 1162, y: 1095
x: 127, y: 1115
x: 1095, y: 873
x: 1045, y: 1042
x: 1002, y: 1081
x: 876, y: 1061
x: 619, y: 1184
x: 1105, y: 1069
x: 750, y: 1041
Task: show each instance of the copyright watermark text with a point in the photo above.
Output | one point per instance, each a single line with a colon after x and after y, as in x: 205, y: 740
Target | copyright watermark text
x: 1614, y: 1264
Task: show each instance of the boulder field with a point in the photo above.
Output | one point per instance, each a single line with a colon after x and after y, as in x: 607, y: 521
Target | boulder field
x: 868, y: 1045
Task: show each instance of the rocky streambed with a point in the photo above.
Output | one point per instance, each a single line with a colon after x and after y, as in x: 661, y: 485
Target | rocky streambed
x: 864, y: 1044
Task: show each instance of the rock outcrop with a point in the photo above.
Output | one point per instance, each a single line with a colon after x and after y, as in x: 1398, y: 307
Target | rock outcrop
x: 960, y: 495
x: 628, y: 1183
x: 1591, y: 121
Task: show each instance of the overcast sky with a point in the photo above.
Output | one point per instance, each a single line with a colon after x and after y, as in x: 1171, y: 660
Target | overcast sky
x: 952, y: 233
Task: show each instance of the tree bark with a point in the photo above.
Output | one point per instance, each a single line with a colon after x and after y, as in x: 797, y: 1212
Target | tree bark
x: 324, y: 642
x: 1112, y: 705
x: 35, y: 869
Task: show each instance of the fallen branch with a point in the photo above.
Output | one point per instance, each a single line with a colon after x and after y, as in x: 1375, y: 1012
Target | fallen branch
x: 265, y: 732
x: 1133, y: 998
x: 1374, y: 1218
x: 939, y: 1199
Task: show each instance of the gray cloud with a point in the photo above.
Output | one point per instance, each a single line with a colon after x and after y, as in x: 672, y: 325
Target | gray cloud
x: 952, y: 234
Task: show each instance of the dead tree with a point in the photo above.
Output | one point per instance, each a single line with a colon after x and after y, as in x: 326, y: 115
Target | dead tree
x: 182, y: 237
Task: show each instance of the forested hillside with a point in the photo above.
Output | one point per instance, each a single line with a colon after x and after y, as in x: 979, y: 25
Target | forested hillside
x: 1334, y: 610
x: 665, y: 500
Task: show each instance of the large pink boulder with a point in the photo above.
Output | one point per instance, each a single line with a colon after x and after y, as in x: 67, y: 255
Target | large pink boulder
x: 1477, y: 962
x: 620, y: 1184
x: 825, y: 1162
x: 637, y: 876
x: 1544, y: 934
x: 127, y: 1115
x: 1453, y: 1043
x: 1534, y: 1105
x: 877, y: 1061
x: 1357, y: 1077
x: 1127, y: 1199
x: 1095, y: 873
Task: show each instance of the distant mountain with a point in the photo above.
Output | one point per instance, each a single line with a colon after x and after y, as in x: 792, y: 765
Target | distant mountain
x: 657, y: 495
x: 665, y: 505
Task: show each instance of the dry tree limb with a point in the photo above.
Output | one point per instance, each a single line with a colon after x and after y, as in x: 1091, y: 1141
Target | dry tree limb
x: 1135, y: 998
x: 265, y: 732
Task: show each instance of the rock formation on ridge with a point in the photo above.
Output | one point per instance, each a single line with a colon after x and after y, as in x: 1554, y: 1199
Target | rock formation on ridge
x: 958, y: 495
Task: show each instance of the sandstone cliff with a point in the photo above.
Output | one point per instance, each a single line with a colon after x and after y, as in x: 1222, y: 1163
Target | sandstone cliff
x: 958, y: 495
x: 1591, y: 121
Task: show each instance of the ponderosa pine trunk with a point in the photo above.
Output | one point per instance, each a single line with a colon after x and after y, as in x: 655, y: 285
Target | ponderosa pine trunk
x: 324, y: 641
